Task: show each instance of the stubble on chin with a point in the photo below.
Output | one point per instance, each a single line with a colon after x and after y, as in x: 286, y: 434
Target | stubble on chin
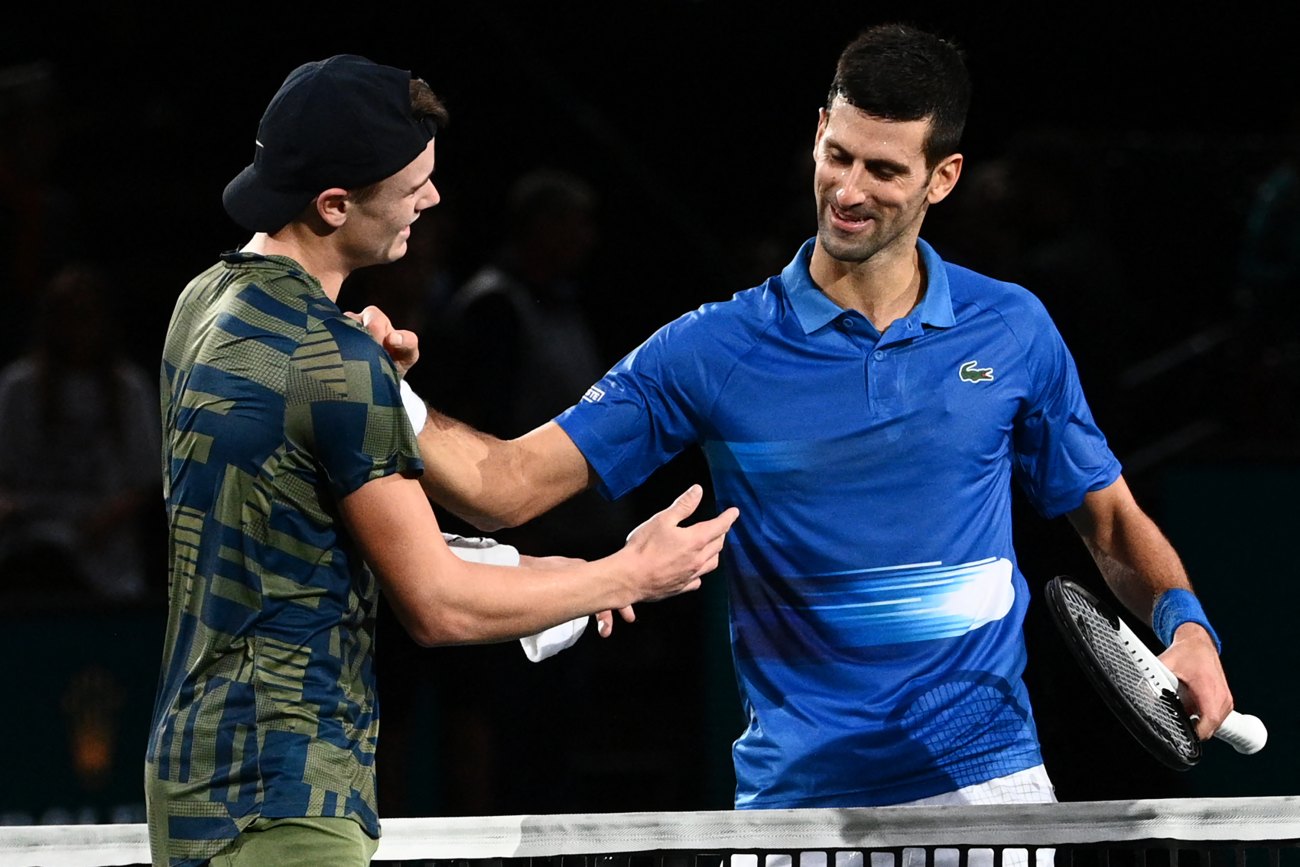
x: 849, y: 251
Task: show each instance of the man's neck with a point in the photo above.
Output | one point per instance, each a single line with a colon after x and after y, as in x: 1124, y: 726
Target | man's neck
x: 297, y: 243
x: 884, y: 288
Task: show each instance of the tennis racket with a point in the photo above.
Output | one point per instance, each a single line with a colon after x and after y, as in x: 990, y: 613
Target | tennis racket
x: 1137, y: 686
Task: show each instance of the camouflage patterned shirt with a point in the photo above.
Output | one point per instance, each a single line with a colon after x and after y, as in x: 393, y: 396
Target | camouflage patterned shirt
x: 274, y: 406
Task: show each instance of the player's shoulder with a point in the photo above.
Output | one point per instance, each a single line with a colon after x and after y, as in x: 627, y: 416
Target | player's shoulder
x: 975, y: 292
x: 328, y: 328
x: 730, y: 322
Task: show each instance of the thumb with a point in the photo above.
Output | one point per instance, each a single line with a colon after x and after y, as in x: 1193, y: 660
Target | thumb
x: 687, y: 503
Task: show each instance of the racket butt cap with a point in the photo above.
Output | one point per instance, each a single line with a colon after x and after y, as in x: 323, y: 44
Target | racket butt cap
x: 1243, y: 732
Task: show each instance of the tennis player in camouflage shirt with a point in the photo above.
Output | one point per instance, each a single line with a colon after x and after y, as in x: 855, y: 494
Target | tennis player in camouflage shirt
x: 290, y: 471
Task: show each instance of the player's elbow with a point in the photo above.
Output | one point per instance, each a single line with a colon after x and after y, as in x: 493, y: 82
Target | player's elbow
x: 499, y: 515
x: 441, y: 628
x: 509, y: 516
x: 434, y: 619
x: 490, y: 522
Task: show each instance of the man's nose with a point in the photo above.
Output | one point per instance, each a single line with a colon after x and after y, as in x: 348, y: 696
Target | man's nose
x: 431, y: 197
x: 851, y: 189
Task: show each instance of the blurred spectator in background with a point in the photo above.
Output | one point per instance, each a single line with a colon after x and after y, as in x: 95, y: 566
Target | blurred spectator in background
x: 1268, y: 281
x: 79, y: 452
x: 515, y: 347
x: 33, y: 208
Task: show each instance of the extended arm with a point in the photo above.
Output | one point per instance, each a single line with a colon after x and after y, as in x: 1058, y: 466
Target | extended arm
x: 441, y: 599
x: 1141, y: 566
x: 494, y: 483
x: 490, y: 482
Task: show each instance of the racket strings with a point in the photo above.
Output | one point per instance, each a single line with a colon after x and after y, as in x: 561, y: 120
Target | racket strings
x: 1160, y: 707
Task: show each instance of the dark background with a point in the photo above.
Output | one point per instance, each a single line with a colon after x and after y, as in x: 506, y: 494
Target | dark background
x: 694, y: 121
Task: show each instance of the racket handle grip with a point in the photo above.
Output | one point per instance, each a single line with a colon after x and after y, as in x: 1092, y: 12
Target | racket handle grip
x: 1243, y: 732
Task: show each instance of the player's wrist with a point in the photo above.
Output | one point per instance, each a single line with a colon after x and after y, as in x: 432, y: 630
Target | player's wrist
x: 1176, y: 607
x: 622, y: 574
x: 1191, y: 632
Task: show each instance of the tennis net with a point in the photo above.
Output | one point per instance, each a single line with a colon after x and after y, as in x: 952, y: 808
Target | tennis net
x: 1184, y: 832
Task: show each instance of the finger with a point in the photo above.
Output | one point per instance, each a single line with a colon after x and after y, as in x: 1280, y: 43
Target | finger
x: 372, y: 315
x: 1206, y: 727
x: 724, y: 521
x: 404, y: 348
x: 605, y: 623
x: 714, y: 531
x: 628, y: 615
x: 1205, y: 722
x: 708, y: 566
x: 686, y: 503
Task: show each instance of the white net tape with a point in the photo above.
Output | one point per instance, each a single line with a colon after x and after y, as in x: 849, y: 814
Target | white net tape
x: 997, y: 826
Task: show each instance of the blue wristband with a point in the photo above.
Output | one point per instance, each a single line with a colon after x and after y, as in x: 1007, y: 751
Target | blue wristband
x: 1176, y: 607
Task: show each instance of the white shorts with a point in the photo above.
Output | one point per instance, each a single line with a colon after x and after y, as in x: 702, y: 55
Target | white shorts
x: 1030, y: 786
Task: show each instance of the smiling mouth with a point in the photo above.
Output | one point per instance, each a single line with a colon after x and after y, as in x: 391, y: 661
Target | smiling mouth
x: 847, y: 220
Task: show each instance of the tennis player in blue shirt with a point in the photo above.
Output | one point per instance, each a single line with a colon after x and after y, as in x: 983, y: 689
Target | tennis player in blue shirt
x: 866, y: 410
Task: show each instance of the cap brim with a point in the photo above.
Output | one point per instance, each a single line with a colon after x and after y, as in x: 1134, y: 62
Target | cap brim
x: 259, y: 208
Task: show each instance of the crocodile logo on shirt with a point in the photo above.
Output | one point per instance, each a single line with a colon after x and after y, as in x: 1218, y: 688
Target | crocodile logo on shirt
x: 970, y: 373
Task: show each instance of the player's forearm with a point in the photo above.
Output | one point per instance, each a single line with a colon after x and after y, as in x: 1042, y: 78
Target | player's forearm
x: 489, y: 603
x: 495, y: 483
x: 1138, y: 574
x: 1147, y: 575
x: 458, y: 462
x: 459, y: 600
x: 1132, y: 554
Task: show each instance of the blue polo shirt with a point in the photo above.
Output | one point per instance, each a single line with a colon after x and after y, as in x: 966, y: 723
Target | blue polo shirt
x: 876, y: 605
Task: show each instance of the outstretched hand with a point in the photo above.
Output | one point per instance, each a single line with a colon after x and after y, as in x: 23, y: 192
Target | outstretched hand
x: 671, y: 558
x: 401, y: 345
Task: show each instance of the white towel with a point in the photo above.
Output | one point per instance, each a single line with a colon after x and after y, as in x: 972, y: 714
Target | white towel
x: 480, y: 549
x: 544, y: 644
x: 551, y: 641
x: 416, y: 410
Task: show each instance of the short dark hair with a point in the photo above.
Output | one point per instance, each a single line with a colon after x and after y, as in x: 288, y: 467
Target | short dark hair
x: 426, y: 104
x: 898, y: 72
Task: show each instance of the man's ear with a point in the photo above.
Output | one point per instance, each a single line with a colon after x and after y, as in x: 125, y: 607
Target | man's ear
x: 944, y: 178
x: 822, y: 118
x: 332, y: 206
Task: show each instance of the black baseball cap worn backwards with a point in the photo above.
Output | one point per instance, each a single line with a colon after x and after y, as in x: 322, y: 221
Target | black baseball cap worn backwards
x: 345, y: 121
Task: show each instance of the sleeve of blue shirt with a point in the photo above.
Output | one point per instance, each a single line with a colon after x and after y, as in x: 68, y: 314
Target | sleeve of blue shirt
x: 1060, y: 453
x: 644, y: 411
